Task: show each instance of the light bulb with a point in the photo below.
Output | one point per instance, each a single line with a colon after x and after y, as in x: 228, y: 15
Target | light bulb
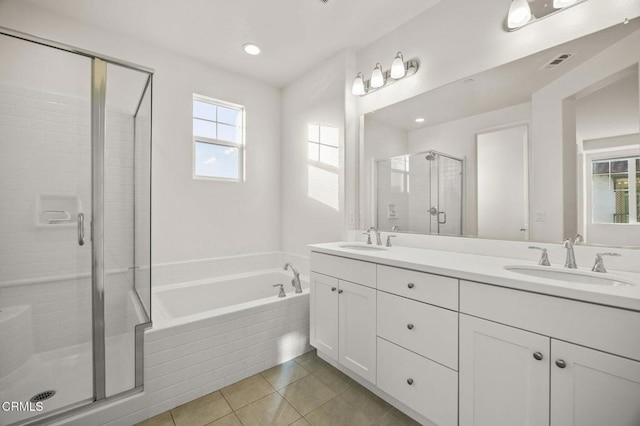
x: 397, y: 67
x: 358, y: 85
x: 558, y: 4
x: 377, y: 78
x: 519, y: 13
x: 251, y: 49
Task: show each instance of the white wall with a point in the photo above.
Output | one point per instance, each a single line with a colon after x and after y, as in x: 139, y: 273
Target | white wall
x: 312, y: 196
x: 611, y: 111
x: 192, y: 219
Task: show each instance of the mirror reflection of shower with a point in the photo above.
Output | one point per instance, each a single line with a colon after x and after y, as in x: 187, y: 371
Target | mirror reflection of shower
x: 420, y: 193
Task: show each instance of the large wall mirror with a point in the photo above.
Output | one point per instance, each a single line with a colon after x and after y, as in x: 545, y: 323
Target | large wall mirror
x: 538, y: 149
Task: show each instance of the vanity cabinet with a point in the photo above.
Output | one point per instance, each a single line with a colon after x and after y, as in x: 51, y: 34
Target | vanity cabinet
x: 343, y: 313
x: 465, y: 353
x: 511, y: 376
x: 504, y: 375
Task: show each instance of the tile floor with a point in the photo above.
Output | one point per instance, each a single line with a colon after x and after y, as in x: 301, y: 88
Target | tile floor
x: 303, y: 391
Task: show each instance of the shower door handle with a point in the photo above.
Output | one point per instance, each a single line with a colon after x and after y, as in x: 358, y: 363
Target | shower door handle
x: 444, y: 214
x: 81, y: 229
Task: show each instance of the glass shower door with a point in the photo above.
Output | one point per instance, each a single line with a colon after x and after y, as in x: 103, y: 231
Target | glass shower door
x: 445, y: 195
x: 45, y: 212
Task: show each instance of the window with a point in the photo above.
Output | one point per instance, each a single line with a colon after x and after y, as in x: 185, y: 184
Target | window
x: 324, y: 143
x: 615, y: 186
x: 218, y: 139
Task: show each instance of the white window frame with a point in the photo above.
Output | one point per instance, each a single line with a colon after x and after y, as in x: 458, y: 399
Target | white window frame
x: 211, y: 141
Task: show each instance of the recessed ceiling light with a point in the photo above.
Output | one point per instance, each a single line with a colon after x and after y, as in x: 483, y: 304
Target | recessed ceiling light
x: 251, y: 49
x: 420, y: 120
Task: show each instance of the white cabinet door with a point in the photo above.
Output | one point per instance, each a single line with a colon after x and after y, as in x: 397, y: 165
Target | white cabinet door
x: 358, y: 329
x: 324, y: 314
x: 593, y: 388
x: 502, y: 383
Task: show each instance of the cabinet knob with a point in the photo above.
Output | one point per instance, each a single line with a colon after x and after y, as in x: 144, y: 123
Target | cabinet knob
x: 340, y: 291
x: 409, y: 382
x: 333, y: 289
x: 410, y: 285
x: 538, y: 356
x: 561, y: 363
x: 410, y: 326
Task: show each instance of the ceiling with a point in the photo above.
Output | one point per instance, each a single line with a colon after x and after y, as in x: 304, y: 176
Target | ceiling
x: 294, y: 35
x: 501, y: 87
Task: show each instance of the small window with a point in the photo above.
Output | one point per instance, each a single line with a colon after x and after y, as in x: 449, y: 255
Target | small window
x: 218, y: 139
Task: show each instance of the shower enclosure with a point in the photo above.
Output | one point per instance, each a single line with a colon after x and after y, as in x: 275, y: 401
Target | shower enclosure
x: 75, y: 276
x: 420, y: 193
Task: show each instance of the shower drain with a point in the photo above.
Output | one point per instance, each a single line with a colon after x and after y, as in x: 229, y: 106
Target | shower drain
x: 42, y: 396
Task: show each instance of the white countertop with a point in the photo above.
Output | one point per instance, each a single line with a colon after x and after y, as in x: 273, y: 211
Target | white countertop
x: 491, y: 270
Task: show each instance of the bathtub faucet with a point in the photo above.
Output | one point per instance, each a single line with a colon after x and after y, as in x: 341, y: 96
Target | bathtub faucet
x: 295, y: 282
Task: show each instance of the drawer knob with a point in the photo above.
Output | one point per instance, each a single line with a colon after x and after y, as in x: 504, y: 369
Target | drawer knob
x: 333, y: 289
x: 340, y: 291
x: 538, y: 356
x: 409, y: 382
x: 410, y: 326
x: 410, y: 285
x: 561, y: 363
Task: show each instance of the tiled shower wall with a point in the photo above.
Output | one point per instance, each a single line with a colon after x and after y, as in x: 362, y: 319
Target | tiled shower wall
x: 45, y: 149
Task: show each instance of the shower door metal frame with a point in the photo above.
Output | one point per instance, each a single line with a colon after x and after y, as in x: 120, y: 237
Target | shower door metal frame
x: 98, y: 102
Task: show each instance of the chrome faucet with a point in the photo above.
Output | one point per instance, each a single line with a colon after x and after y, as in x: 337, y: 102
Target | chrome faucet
x: 378, y: 240
x: 295, y: 282
x: 571, y: 257
x: 544, y: 256
x: 598, y: 266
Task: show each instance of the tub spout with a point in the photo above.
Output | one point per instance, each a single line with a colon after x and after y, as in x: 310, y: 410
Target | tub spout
x: 295, y: 282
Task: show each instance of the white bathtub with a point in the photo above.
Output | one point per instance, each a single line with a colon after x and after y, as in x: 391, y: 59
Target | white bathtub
x: 211, y: 333
x: 193, y: 301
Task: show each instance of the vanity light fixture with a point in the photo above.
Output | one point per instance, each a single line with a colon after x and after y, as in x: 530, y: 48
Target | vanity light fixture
x: 519, y: 14
x: 358, y: 85
x: 525, y: 12
x: 251, y: 49
x: 379, y: 78
x: 397, y: 67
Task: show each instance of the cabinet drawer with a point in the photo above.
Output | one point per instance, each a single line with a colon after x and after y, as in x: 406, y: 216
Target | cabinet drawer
x: 428, y: 330
x: 345, y: 269
x: 599, y: 327
x: 433, y: 391
x: 429, y: 288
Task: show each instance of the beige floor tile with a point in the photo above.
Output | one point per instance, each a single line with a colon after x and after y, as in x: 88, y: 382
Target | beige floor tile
x: 301, y: 422
x: 397, y: 418
x: 306, y: 356
x: 228, y: 420
x: 333, y: 378
x: 366, y: 401
x: 270, y: 410
x: 163, y: 419
x: 311, y: 362
x: 246, y: 391
x: 307, y: 394
x: 201, y: 411
x: 285, y: 373
x: 338, y: 412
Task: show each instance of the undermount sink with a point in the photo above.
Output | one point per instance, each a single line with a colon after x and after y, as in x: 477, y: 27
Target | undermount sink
x: 568, y: 275
x: 362, y: 247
